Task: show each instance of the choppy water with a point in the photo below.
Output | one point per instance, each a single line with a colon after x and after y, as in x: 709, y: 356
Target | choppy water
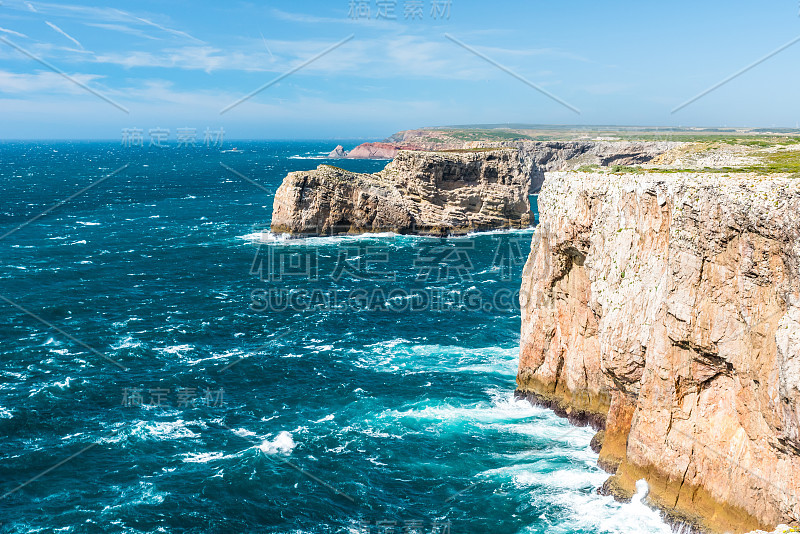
x: 208, y: 377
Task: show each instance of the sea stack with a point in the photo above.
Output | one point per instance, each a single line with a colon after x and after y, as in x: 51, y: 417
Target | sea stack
x: 338, y: 152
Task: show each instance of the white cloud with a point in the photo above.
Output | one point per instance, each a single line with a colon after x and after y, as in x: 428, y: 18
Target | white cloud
x: 87, y: 14
x: 121, y: 28
x: 65, y: 34
x: 12, y: 32
x: 43, y: 82
x: 303, y: 18
x: 203, y: 58
x: 388, y: 57
x: 163, y: 28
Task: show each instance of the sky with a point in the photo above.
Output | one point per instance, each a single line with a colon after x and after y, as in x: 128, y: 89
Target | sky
x: 364, y: 69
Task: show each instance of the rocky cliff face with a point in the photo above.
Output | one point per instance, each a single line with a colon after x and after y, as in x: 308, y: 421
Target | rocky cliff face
x: 426, y: 193
x: 541, y: 157
x: 665, y: 309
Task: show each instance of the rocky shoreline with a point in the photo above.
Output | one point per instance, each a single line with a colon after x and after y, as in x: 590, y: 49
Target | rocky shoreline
x: 660, y: 302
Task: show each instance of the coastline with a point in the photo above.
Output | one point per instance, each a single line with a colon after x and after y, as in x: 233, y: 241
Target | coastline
x: 629, y: 319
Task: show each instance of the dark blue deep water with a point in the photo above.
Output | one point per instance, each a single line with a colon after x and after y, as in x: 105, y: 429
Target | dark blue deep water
x: 167, y: 365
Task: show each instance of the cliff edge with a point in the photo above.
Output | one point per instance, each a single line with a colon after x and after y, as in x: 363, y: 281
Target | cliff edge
x: 664, y: 308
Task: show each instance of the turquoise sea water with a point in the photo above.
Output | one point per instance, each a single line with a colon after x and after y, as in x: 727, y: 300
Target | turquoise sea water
x: 197, y: 374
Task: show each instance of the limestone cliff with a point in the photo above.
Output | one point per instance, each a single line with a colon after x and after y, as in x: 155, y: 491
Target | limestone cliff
x: 665, y: 309
x: 542, y: 157
x: 426, y: 193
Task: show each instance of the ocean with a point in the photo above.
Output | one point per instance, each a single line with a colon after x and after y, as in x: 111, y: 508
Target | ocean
x: 168, y: 365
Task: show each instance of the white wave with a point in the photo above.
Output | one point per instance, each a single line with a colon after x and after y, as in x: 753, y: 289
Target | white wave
x: 127, y: 342
x: 404, y: 355
x: 562, y: 479
x: 326, y: 418
x: 154, y: 431
x: 54, y: 386
x: 283, y: 443
x: 145, y: 493
x: 87, y: 223
x: 502, y: 409
x: 204, y: 457
x: 502, y: 231
x: 602, y: 514
x: 164, y: 430
x: 231, y: 355
x: 175, y: 349
x: 243, y: 432
x: 268, y: 237
x: 5, y: 414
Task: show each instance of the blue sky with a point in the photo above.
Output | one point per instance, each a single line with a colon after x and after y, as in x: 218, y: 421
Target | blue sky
x: 178, y: 64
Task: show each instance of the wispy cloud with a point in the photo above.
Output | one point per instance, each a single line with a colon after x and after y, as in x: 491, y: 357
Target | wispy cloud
x: 304, y: 18
x: 107, y: 15
x: 42, y: 82
x: 272, y: 57
x: 121, y: 28
x: 12, y: 32
x: 205, y: 58
x: 377, y: 58
x: 65, y: 34
x: 179, y: 33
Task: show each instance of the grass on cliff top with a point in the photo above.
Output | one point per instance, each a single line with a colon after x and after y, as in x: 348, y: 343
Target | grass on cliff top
x: 334, y: 167
x: 485, y: 149
x: 786, y: 162
x: 744, y: 139
x: 486, y: 135
x: 339, y: 171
